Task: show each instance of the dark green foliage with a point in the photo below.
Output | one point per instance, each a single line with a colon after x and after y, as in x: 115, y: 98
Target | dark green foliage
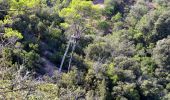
x: 162, y: 29
x: 122, y: 50
x: 161, y: 53
x: 111, y: 7
x: 3, y: 6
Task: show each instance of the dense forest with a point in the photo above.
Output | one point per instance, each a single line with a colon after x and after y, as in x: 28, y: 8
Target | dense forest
x: 84, y: 49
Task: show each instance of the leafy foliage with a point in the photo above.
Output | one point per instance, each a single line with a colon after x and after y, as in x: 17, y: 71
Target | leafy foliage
x: 121, y: 49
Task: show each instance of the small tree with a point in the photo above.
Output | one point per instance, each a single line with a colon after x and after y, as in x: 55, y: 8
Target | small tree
x: 78, y: 15
x: 161, y: 53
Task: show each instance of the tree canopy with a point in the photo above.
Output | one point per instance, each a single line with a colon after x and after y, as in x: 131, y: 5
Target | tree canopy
x: 112, y: 50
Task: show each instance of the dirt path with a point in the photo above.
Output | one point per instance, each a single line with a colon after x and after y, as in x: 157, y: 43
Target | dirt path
x: 48, y: 66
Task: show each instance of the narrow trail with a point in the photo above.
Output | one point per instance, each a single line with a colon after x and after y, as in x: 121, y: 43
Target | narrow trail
x: 49, y: 67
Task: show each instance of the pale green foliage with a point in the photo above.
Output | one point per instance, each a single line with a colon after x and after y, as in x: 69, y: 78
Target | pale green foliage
x: 48, y: 91
x: 22, y: 4
x: 102, y: 90
x: 125, y: 90
x: 98, y: 50
x: 7, y: 20
x: 9, y: 32
x: 122, y: 52
x: 78, y: 10
x: 111, y: 73
x: 69, y: 79
x: 167, y: 97
x: 117, y: 17
x: 148, y: 66
x: 136, y: 13
x: 161, y: 53
x: 78, y: 16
